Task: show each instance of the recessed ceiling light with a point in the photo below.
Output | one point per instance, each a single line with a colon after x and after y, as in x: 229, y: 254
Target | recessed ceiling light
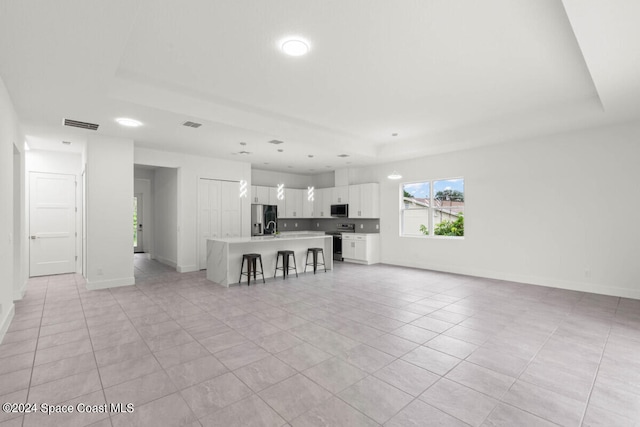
x: 343, y: 155
x: 394, y: 134
x: 243, y: 143
x: 128, y: 122
x: 280, y: 150
x: 310, y: 156
x: 295, y: 46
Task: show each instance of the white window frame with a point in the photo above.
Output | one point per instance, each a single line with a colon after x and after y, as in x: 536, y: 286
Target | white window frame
x: 430, y: 209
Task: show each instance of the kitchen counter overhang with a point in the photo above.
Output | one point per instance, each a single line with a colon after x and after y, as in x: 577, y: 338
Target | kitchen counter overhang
x: 224, y: 256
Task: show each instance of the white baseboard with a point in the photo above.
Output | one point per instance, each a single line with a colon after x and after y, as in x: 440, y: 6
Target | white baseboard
x: 551, y: 282
x: 19, y: 294
x: 187, y: 268
x: 5, y: 322
x: 166, y: 261
x: 112, y: 283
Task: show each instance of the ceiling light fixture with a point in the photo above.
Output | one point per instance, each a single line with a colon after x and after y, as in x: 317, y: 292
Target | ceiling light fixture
x: 394, y: 134
x: 394, y: 175
x: 132, y: 123
x: 295, y: 46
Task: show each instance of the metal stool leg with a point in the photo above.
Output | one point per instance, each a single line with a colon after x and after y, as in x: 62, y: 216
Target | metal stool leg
x: 306, y: 261
x: 324, y: 263
x: 249, y: 262
x: 294, y: 264
x: 315, y: 261
x: 262, y: 270
x: 241, y: 268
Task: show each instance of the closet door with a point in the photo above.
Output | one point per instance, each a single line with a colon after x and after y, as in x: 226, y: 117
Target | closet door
x: 208, y: 216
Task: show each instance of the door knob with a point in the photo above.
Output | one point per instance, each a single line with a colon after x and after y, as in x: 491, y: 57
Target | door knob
x: 33, y: 237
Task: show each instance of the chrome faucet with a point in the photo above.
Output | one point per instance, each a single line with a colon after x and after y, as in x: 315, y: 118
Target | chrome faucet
x: 273, y: 230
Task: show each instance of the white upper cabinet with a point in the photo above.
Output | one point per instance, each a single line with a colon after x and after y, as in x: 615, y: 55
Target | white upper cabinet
x: 340, y: 195
x: 364, y: 201
x: 308, y: 206
x: 260, y: 195
x: 273, y: 200
x: 293, y: 203
x: 322, y: 205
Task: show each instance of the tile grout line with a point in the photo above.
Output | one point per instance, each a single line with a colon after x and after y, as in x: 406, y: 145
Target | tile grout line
x: 595, y: 377
x: 35, y: 352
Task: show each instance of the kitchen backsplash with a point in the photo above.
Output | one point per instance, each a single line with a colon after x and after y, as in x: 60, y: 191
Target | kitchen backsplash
x: 328, y: 224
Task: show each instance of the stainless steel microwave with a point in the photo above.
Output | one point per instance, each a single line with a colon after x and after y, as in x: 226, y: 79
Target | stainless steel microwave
x: 340, y: 210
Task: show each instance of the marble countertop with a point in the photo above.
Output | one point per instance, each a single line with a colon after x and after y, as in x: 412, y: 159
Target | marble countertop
x: 272, y: 238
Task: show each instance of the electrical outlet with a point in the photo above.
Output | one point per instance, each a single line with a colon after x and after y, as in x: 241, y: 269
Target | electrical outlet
x: 295, y: 225
x: 285, y: 225
x: 361, y: 226
x: 317, y: 224
x: 377, y: 226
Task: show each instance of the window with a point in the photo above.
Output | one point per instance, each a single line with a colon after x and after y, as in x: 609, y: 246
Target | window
x: 432, y: 208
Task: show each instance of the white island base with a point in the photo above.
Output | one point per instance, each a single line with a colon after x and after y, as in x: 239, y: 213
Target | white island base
x: 224, y: 256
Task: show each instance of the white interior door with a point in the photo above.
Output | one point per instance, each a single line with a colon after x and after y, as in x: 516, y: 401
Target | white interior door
x: 138, y: 235
x: 52, y: 206
x: 208, y: 216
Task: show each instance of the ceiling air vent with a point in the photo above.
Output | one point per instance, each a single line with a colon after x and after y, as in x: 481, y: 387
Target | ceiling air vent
x: 81, y: 125
x: 275, y: 142
x: 192, y: 124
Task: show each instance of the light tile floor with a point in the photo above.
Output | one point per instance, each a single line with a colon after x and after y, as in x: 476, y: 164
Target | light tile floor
x: 357, y: 346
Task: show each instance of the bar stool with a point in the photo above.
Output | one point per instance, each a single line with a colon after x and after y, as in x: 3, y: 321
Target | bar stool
x: 315, y: 252
x: 285, y: 263
x: 252, y: 260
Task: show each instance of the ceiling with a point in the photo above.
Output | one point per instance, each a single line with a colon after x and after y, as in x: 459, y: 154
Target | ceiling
x: 443, y: 75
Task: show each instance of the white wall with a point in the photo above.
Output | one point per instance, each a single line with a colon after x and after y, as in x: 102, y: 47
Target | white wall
x: 192, y: 168
x: 19, y: 220
x: 165, y: 208
x: 533, y: 211
x: 8, y: 136
x: 109, y: 212
x: 272, y: 179
x: 61, y: 163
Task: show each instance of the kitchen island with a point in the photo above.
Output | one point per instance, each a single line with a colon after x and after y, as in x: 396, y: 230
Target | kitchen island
x: 224, y: 256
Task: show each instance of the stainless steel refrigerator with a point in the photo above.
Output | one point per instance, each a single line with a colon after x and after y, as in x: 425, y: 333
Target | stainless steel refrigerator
x: 264, y: 219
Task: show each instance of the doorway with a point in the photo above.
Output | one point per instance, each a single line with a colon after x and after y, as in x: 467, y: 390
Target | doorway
x: 138, y: 235
x: 52, y: 224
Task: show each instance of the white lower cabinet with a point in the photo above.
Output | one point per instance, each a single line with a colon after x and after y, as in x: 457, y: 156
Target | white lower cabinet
x: 361, y: 248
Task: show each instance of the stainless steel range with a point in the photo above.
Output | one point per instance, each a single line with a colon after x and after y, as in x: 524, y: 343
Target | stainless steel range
x: 337, y: 238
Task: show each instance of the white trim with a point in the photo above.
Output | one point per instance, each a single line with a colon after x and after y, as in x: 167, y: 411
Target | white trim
x: 549, y: 282
x: 166, y: 261
x: 113, y: 283
x: 19, y: 293
x: 6, y: 322
x: 187, y: 268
